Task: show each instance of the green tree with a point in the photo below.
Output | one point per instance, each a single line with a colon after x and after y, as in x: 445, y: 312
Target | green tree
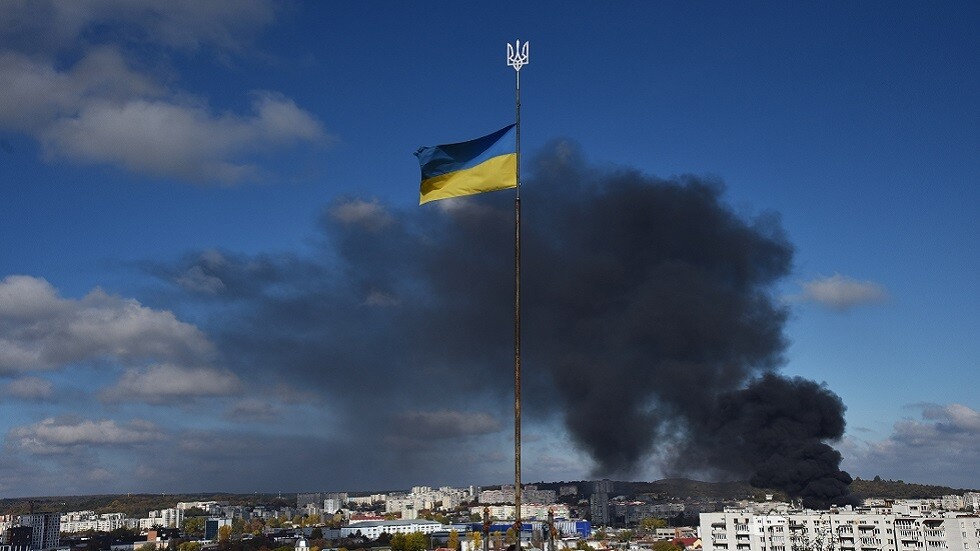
x: 476, y: 541
x: 625, y: 536
x: 665, y: 546
x: 416, y: 541
x: 511, y: 536
x: 316, y: 534
x: 148, y: 547
x: 193, y: 526
x: 650, y: 524
x: 238, y: 526
x: 189, y: 546
x: 397, y: 542
x: 453, y: 542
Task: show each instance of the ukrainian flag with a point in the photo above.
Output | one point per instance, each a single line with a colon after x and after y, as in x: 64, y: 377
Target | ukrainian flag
x: 484, y: 164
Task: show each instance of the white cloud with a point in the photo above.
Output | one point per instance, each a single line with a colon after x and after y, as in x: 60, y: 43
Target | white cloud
x: 103, y: 110
x: 56, y: 436
x: 843, y: 293
x: 184, y: 140
x: 30, y: 388
x: 45, y: 25
x: 166, y: 384
x: 40, y: 330
x: 931, y: 449
x: 195, y: 279
x: 370, y: 215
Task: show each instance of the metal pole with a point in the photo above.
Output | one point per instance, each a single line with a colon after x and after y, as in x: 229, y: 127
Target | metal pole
x: 517, y: 57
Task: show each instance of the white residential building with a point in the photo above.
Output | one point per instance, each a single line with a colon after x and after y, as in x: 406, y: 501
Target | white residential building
x: 529, y: 511
x: 80, y: 521
x: 529, y: 494
x: 166, y: 518
x: 424, y: 497
x: 374, y: 529
x: 838, y: 530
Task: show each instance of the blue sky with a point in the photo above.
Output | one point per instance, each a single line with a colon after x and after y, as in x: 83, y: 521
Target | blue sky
x: 147, y: 148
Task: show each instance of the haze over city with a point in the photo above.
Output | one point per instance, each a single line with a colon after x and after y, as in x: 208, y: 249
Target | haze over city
x: 215, y: 276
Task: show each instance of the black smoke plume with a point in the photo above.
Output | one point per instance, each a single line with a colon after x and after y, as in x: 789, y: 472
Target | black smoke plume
x: 651, y: 323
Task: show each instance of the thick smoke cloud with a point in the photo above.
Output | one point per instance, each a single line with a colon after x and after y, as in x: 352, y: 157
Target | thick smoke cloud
x: 651, y: 325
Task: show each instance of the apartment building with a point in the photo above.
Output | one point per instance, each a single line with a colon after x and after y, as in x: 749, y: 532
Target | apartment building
x: 80, y: 521
x: 45, y: 529
x: 839, y: 530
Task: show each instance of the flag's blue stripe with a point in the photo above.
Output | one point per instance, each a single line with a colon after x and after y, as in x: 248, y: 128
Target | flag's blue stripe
x: 443, y: 159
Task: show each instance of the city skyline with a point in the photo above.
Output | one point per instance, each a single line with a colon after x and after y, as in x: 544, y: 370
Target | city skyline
x: 214, y: 273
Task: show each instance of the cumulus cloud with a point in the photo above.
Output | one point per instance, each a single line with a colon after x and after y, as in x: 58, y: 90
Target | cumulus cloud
x: 931, y: 448
x: 166, y: 384
x: 169, y: 139
x: 57, y: 436
x: 30, y: 388
x: 40, y: 330
x: 843, y: 293
x: 104, y: 109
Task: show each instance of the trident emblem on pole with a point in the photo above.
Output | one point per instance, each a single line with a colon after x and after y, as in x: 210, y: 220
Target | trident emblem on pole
x: 517, y: 55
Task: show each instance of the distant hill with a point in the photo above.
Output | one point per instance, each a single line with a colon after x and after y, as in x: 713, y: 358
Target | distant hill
x: 138, y: 505
x: 669, y: 488
x: 133, y: 505
x: 681, y: 488
x: 898, y: 489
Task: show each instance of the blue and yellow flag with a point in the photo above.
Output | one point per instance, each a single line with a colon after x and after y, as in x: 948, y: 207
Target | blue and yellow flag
x: 484, y: 164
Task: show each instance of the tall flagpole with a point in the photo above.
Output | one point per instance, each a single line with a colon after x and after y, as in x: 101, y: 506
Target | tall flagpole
x: 517, y: 57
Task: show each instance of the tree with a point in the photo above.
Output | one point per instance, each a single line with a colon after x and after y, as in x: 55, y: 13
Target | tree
x: 256, y: 525
x: 397, y: 542
x: 148, y: 547
x: 224, y: 533
x: 625, y: 536
x: 453, y: 542
x: 416, y: 541
x: 511, y: 536
x: 650, y: 524
x: 193, y: 526
x: 317, y: 533
x: 189, y: 546
x: 476, y: 541
x: 665, y: 546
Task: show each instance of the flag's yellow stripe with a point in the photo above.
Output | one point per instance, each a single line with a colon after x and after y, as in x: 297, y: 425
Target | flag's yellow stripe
x: 496, y: 173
